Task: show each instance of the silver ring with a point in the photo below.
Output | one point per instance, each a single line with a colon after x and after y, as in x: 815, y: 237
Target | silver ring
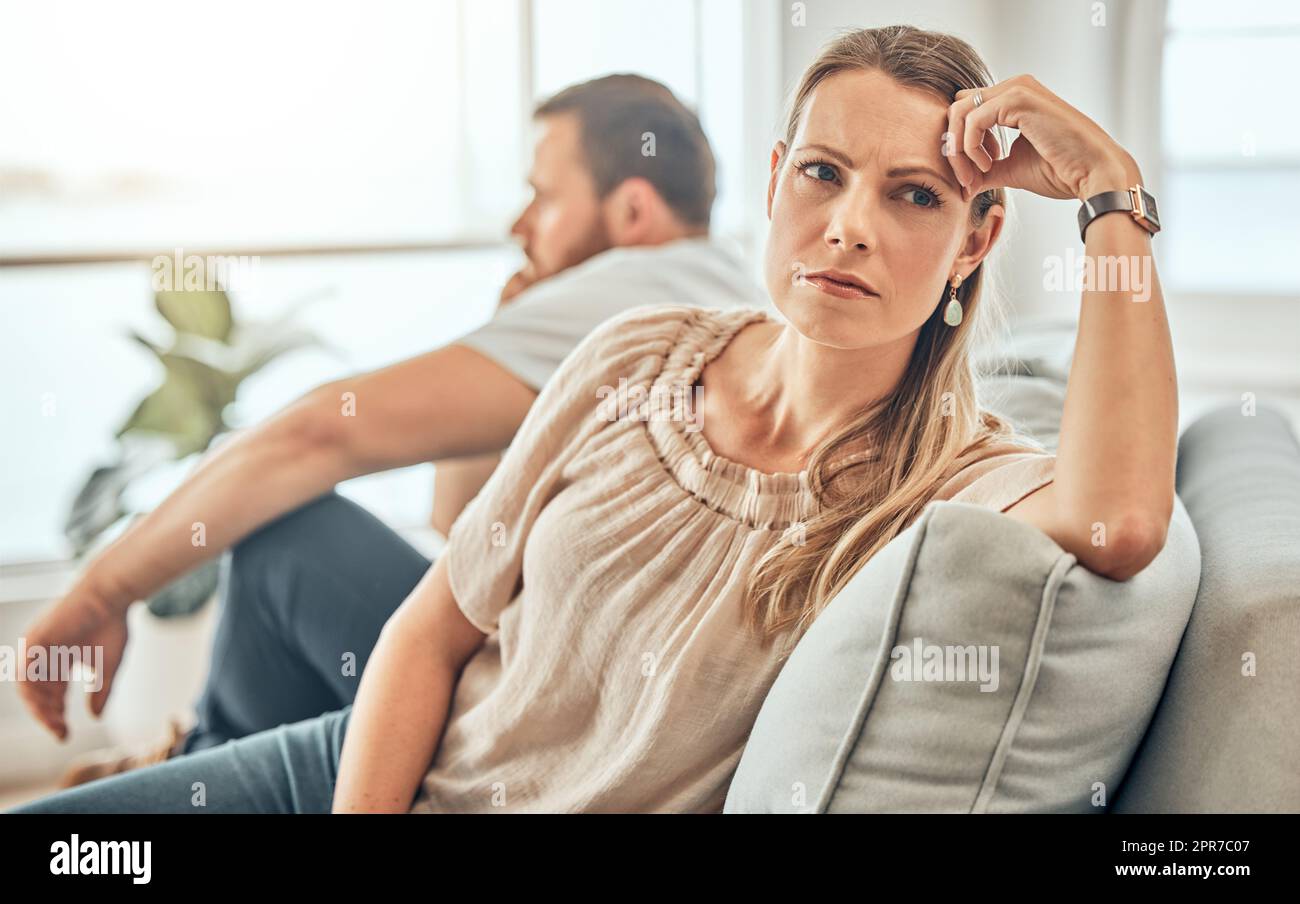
x: 979, y: 98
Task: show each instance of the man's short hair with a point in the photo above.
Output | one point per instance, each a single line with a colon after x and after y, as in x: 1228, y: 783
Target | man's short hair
x: 615, y: 113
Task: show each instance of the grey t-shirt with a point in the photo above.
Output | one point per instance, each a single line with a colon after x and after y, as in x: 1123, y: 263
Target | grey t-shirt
x: 531, y: 334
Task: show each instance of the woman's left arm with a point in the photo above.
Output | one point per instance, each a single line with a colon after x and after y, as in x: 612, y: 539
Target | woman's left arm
x: 1113, y: 494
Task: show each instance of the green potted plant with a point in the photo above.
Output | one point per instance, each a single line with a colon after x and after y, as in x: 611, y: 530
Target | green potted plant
x: 209, y: 357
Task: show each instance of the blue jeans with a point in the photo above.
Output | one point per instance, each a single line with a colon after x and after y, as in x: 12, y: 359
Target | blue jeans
x: 302, y: 604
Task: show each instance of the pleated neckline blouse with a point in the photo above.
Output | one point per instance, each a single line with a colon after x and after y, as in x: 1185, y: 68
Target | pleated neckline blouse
x: 754, y: 498
x: 606, y: 559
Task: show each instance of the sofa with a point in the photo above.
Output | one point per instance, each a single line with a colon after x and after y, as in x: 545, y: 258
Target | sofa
x: 974, y: 666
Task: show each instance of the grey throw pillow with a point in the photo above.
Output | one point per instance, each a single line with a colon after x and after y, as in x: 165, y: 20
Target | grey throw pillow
x: 971, y: 666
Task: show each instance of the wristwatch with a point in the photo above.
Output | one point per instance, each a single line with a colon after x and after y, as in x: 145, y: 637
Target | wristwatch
x: 1135, y: 200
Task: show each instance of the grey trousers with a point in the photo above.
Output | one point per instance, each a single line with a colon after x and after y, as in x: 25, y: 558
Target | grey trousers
x: 302, y: 604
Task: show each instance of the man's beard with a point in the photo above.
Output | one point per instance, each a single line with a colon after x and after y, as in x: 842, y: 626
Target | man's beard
x: 592, y: 242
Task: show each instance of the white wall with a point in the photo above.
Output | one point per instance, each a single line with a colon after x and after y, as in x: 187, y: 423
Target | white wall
x: 1084, y: 52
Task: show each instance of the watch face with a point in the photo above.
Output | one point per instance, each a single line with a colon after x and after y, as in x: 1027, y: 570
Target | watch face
x: 1148, y: 207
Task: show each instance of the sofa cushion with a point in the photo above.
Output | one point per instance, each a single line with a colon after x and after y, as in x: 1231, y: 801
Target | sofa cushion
x: 1025, y: 382
x: 1225, y: 736
x: 1032, y: 404
x: 855, y: 723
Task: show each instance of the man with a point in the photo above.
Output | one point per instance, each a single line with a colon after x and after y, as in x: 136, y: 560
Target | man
x: 561, y: 228
x: 618, y: 219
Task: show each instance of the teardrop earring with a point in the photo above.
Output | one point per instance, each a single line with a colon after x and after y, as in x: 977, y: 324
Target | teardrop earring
x: 952, y: 313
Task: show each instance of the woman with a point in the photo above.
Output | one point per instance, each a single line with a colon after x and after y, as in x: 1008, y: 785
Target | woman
x: 612, y: 608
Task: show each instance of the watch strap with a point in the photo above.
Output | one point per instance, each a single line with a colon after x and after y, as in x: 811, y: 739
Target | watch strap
x: 1143, y: 210
x: 1105, y: 202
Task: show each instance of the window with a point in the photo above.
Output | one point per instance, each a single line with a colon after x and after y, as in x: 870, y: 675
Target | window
x: 239, y: 124
x: 243, y: 125
x: 1231, y: 147
x: 259, y: 128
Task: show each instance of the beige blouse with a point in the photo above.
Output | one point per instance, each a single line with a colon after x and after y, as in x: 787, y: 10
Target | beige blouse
x: 606, y: 559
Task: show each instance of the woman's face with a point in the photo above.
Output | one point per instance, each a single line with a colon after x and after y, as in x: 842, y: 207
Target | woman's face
x: 866, y: 191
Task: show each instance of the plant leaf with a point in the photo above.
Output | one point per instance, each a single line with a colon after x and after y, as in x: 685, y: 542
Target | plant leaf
x: 97, y: 507
x: 188, y: 593
x: 157, y: 350
x: 202, y: 313
x: 177, y: 410
x: 216, y: 387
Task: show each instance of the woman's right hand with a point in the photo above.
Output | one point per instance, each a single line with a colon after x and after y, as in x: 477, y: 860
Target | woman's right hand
x: 80, y: 619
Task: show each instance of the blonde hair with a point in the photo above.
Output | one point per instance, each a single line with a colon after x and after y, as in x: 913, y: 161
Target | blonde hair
x: 930, y: 427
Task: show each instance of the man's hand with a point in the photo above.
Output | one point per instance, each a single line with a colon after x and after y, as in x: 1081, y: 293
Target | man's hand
x: 452, y: 402
x: 79, y: 619
x: 524, y: 277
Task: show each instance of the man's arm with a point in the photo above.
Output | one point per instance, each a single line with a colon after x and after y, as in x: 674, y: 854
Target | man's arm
x: 453, y: 401
x: 455, y: 482
x: 450, y: 402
